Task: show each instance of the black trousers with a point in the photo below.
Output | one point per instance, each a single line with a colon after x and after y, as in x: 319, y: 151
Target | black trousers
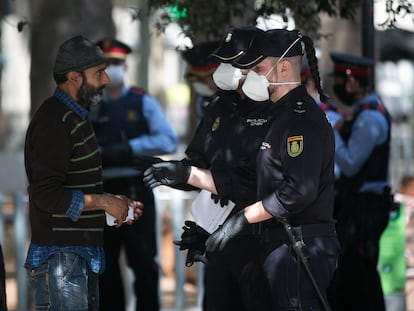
x: 356, y: 285
x: 139, y: 242
x: 291, y: 286
x: 234, y: 279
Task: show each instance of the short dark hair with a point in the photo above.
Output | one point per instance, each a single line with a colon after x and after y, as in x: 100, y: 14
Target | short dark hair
x: 59, y: 77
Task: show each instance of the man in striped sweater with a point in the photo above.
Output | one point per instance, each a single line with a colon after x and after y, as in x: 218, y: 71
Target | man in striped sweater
x: 66, y: 202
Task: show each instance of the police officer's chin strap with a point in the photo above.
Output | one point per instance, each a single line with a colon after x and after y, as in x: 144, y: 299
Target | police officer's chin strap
x: 295, y: 236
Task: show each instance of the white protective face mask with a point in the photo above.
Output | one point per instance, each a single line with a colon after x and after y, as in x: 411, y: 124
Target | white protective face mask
x: 116, y: 74
x: 202, y: 89
x: 227, y: 77
x: 256, y: 87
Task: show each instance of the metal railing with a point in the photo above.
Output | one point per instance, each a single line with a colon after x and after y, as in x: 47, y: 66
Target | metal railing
x: 14, y: 213
x: 177, y: 204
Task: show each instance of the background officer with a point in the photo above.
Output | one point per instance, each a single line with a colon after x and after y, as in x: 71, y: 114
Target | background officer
x: 199, y: 74
x: 362, y: 153
x: 128, y: 122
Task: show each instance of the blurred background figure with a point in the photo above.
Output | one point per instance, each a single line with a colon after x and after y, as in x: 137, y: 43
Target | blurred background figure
x: 128, y: 123
x: 3, y: 305
x: 362, y: 151
x: 200, y: 74
x: 332, y: 111
x: 3, y: 299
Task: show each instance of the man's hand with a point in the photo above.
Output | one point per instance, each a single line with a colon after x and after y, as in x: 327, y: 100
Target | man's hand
x: 116, y: 206
x: 168, y: 173
x: 226, y: 232
x: 137, y: 208
x: 193, y: 238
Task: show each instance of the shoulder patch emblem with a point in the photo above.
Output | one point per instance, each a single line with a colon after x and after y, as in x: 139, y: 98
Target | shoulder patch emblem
x: 216, y: 124
x: 294, y: 145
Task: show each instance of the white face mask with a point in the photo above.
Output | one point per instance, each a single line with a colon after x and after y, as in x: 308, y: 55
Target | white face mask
x: 256, y: 87
x: 227, y: 77
x: 116, y: 74
x: 202, y: 89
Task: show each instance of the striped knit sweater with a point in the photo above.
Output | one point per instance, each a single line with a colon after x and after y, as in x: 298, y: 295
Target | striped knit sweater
x: 61, y: 154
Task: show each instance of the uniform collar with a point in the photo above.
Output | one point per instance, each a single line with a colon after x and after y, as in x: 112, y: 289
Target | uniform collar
x: 293, y: 95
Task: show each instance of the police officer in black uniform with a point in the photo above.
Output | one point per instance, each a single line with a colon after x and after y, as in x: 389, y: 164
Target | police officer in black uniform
x: 295, y: 170
x: 362, y: 209
x: 129, y: 123
x: 221, y: 159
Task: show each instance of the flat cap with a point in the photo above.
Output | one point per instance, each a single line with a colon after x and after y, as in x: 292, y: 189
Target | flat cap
x: 235, y: 43
x: 113, y: 48
x: 351, y: 65
x: 77, y: 54
x: 273, y: 42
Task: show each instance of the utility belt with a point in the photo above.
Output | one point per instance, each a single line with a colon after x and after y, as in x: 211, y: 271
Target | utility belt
x: 274, y: 234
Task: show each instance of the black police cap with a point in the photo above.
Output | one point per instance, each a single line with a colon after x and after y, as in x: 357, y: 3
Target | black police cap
x: 235, y: 43
x: 273, y: 42
x: 351, y: 65
x: 113, y: 48
x: 77, y: 54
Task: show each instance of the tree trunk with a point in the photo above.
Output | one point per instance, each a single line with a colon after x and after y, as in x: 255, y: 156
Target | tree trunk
x: 51, y: 23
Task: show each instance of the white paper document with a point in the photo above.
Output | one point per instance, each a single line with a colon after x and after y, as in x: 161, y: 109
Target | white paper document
x: 110, y: 220
x: 207, y: 214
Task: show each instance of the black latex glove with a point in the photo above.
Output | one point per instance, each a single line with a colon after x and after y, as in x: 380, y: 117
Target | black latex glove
x: 193, y: 238
x: 168, y: 173
x: 118, y: 154
x: 223, y: 201
x: 142, y: 163
x: 226, y: 232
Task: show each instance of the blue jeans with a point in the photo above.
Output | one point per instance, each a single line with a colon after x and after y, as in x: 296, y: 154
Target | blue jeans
x: 64, y: 283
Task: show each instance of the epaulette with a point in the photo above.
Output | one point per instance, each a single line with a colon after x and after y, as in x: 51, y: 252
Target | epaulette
x: 326, y: 105
x: 138, y: 90
x: 376, y: 105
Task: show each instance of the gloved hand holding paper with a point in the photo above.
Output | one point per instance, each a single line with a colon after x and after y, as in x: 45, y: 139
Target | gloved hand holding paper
x: 207, y: 214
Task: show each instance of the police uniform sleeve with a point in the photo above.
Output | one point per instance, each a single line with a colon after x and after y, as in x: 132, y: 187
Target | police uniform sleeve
x: 295, y: 161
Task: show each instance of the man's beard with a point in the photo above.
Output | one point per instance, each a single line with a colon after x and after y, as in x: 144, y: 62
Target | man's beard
x: 88, y: 94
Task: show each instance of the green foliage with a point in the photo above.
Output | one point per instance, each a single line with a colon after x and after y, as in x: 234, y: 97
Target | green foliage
x: 210, y: 18
x: 206, y: 18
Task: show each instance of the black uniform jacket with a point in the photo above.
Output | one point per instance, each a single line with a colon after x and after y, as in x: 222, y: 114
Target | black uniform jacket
x: 227, y: 141
x: 295, y: 164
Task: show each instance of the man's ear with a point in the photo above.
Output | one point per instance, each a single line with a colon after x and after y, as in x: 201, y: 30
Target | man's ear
x: 74, y: 76
x: 286, y: 66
